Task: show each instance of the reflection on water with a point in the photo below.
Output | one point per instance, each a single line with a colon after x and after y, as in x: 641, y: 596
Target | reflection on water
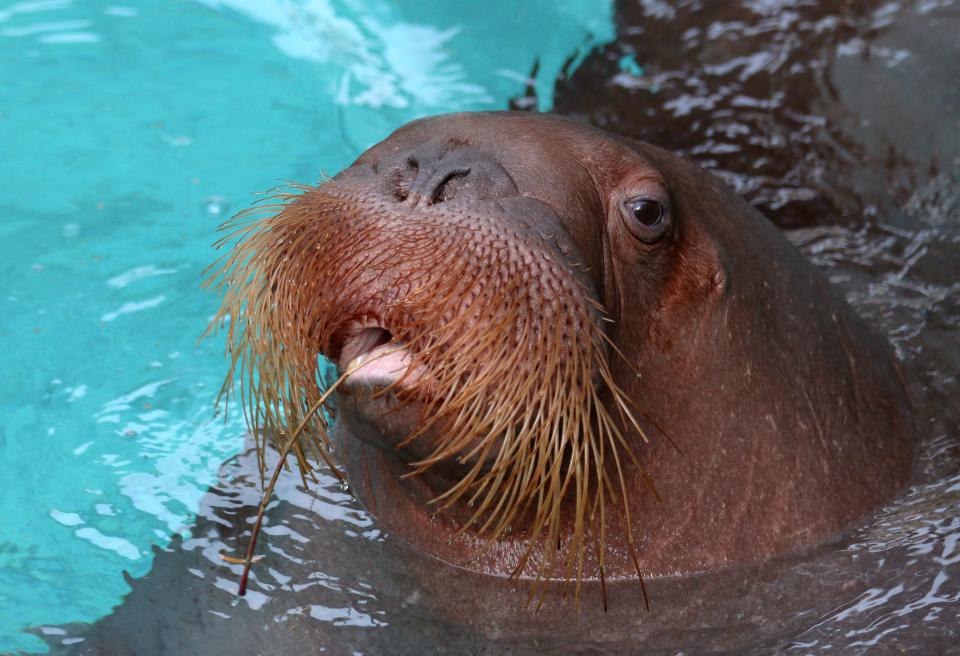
x: 840, y: 122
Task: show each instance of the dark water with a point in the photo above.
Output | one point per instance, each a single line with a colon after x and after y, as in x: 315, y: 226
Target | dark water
x: 841, y: 122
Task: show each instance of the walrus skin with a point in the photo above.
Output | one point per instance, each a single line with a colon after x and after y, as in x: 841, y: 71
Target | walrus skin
x: 775, y: 416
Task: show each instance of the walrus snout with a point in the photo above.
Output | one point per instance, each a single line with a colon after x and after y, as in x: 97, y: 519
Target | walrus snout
x: 448, y: 272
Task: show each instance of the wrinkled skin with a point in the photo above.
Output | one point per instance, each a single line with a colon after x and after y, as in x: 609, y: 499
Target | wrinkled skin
x: 774, y: 416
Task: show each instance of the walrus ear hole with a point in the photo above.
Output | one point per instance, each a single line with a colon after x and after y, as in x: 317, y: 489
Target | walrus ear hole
x: 646, y: 218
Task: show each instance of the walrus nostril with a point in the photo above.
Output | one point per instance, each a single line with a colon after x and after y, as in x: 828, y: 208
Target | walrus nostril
x: 431, y: 177
x: 451, y: 185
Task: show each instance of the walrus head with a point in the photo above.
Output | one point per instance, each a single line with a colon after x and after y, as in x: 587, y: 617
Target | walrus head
x: 539, y: 325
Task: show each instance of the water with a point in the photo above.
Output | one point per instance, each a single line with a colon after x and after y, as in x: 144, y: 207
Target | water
x: 127, y: 133
x: 838, y: 120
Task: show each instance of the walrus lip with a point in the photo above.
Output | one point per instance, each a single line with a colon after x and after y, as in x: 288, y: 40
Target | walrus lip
x: 380, y: 366
x: 371, y: 358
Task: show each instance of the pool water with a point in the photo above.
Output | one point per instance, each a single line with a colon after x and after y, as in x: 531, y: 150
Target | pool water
x: 128, y: 132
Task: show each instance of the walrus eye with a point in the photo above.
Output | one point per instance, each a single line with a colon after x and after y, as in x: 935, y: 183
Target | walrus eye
x: 646, y: 219
x: 646, y: 211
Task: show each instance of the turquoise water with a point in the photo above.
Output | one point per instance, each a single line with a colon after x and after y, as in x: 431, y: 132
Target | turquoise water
x: 127, y: 133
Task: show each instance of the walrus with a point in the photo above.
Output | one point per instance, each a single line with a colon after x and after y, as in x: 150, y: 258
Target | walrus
x: 564, y: 355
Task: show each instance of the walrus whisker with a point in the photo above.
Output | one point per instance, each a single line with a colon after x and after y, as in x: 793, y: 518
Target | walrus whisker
x: 636, y: 565
x: 291, y: 443
x: 636, y: 406
x: 303, y: 467
x: 603, y: 581
x: 499, y: 464
x: 462, y: 395
x: 514, y: 453
x: 499, y: 418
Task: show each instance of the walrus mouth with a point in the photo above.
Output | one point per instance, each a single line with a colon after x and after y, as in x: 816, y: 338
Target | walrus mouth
x: 470, y: 315
x: 370, y: 356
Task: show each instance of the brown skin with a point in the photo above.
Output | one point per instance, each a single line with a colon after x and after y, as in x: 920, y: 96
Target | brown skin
x: 767, y: 414
x: 788, y: 416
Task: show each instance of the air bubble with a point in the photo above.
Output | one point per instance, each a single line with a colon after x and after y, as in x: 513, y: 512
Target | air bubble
x: 216, y: 206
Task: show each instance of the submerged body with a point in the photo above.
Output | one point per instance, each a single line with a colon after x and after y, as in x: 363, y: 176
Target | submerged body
x: 568, y: 355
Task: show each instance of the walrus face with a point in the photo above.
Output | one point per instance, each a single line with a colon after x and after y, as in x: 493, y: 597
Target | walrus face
x: 463, y: 284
